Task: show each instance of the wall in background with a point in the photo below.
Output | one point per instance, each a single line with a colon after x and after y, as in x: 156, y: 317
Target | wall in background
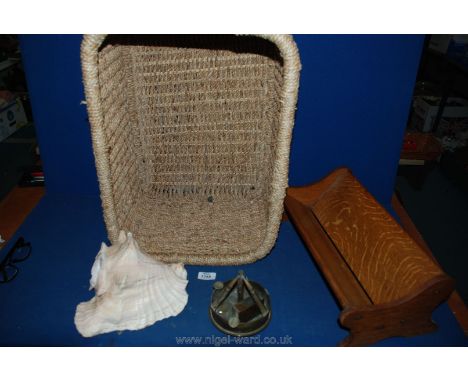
x: 354, y: 100
x: 53, y: 73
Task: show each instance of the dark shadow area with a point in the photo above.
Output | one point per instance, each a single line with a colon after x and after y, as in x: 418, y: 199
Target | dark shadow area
x: 18, y: 144
x: 433, y: 182
x: 236, y: 44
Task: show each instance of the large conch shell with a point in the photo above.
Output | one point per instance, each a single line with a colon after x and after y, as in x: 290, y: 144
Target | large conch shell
x: 133, y: 290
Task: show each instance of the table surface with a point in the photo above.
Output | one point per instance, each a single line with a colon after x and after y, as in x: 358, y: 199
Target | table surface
x: 65, y: 231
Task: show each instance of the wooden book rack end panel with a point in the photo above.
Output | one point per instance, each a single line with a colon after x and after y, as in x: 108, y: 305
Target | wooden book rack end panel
x: 386, y: 284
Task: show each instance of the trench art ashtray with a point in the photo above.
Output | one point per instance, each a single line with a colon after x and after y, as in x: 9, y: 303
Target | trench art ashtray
x: 240, y: 307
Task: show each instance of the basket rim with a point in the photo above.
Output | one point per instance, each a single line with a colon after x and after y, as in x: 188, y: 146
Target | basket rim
x: 279, y: 180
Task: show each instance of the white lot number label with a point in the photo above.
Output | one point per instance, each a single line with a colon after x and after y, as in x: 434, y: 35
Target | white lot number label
x: 206, y: 275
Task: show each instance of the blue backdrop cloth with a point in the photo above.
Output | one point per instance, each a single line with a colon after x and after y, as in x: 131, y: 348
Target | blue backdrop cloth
x: 353, y: 105
x: 354, y: 98
x: 39, y: 305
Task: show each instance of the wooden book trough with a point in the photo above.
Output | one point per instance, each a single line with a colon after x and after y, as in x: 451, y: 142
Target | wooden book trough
x: 386, y: 284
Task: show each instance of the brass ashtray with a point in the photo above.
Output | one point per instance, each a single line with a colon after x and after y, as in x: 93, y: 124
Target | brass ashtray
x: 240, y: 307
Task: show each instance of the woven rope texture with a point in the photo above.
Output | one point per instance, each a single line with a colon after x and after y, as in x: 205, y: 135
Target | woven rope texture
x: 191, y: 138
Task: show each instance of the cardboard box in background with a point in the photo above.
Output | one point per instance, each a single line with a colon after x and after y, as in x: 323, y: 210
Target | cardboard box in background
x: 12, y: 118
x: 426, y: 109
x: 458, y: 50
x: 454, y: 46
x: 440, y: 42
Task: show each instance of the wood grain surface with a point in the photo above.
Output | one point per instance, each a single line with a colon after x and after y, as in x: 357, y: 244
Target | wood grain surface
x: 343, y: 281
x: 382, y: 255
x: 386, y: 283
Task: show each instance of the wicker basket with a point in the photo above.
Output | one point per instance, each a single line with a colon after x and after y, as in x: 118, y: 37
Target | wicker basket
x: 191, y: 138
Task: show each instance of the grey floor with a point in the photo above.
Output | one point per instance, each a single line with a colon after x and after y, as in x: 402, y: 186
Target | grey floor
x: 440, y: 211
